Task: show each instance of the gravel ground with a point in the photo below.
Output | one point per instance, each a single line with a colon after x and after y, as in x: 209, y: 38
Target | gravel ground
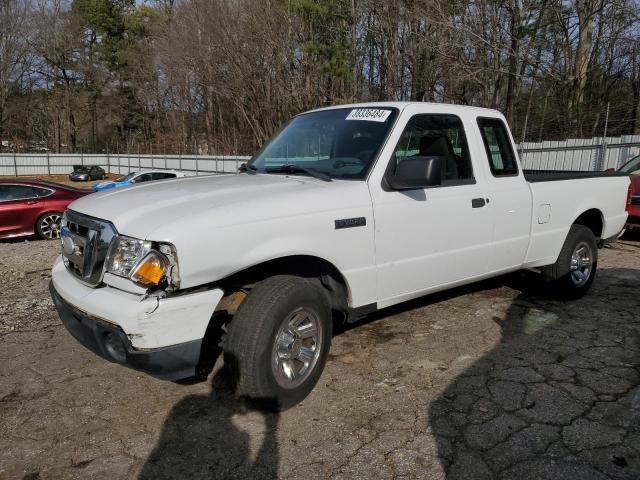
x: 488, y: 381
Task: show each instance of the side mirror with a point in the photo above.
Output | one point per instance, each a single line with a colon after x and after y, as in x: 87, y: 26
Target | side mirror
x: 416, y: 172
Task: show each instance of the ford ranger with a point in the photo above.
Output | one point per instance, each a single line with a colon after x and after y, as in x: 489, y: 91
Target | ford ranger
x: 347, y: 210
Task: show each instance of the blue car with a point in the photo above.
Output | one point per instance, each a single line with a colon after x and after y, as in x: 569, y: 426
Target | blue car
x: 137, y: 177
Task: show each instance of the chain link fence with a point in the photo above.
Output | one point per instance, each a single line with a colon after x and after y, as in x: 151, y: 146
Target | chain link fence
x: 28, y: 164
x: 594, y: 154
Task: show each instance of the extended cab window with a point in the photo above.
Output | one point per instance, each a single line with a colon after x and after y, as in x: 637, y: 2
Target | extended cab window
x: 432, y: 135
x: 497, y: 144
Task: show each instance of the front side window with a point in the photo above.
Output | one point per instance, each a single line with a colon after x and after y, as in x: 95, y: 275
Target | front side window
x: 15, y: 192
x: 442, y: 136
x: 145, y: 177
x: 497, y: 144
x: 338, y: 143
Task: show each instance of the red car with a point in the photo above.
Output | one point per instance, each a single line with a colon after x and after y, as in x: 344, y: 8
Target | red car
x: 632, y: 167
x: 30, y: 206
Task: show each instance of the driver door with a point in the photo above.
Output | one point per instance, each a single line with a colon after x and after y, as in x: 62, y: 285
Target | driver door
x: 437, y: 236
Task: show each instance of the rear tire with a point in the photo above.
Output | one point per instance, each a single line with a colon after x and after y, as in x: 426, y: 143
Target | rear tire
x: 574, y: 271
x: 277, y: 344
x: 48, y: 226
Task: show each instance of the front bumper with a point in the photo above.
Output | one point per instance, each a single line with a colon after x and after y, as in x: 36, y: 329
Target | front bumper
x: 160, y: 336
x: 174, y: 362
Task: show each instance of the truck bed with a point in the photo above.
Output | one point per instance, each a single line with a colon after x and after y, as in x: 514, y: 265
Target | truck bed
x: 533, y: 176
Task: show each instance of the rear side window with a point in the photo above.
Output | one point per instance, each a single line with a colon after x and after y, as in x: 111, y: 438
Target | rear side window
x: 41, y: 192
x: 160, y: 175
x: 497, y: 144
x: 15, y: 192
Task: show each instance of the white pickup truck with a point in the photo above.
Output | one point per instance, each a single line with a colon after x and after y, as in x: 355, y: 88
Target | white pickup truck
x: 347, y: 210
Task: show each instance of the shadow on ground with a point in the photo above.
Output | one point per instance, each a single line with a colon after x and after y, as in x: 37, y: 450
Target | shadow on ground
x: 200, y: 439
x: 558, y: 398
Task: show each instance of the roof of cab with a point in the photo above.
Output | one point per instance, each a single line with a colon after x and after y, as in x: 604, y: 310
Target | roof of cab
x: 440, y: 107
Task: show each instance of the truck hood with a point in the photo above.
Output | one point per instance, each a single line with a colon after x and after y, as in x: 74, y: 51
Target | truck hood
x: 165, y: 209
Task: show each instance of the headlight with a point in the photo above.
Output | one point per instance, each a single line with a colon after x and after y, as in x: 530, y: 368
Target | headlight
x: 144, y: 262
x: 125, y: 253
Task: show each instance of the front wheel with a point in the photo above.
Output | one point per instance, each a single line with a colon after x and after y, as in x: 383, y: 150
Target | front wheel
x: 574, y: 271
x: 48, y: 225
x: 277, y: 343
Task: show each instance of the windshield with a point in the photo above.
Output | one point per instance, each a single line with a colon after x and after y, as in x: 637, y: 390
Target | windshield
x: 339, y: 143
x: 631, y: 166
x: 126, y: 177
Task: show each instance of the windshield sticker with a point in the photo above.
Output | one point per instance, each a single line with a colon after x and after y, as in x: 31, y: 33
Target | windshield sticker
x: 369, y: 114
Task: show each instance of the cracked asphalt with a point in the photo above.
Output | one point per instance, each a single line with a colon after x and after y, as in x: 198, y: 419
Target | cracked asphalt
x: 494, y: 380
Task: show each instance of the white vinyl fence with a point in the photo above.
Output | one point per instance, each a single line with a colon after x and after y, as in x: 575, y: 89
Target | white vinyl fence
x: 52, y: 164
x: 593, y: 154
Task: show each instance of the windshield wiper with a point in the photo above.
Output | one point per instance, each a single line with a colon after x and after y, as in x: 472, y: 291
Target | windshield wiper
x: 291, y: 168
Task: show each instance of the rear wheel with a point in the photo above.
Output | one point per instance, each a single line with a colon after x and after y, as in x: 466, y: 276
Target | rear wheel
x: 277, y: 343
x: 574, y: 271
x: 48, y: 225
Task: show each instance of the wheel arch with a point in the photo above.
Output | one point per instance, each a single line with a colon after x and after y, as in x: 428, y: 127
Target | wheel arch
x: 310, y: 267
x: 593, y: 219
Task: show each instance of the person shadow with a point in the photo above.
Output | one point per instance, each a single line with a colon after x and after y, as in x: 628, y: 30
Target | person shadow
x: 558, y: 397
x: 201, y: 438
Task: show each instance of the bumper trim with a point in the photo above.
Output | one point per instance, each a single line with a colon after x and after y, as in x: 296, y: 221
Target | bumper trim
x: 174, y: 362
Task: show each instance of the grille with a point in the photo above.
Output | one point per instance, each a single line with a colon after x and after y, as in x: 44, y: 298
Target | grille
x: 85, y: 243
x: 635, y: 200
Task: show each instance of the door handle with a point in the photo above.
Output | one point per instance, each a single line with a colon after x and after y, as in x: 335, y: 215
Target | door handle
x: 478, y: 202
x: 32, y: 202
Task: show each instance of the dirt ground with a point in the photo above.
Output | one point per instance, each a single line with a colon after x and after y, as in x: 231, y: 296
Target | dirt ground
x: 489, y: 381
x: 64, y: 179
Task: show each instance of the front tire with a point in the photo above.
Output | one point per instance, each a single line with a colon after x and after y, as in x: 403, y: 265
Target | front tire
x: 574, y: 271
x: 277, y: 344
x: 48, y: 226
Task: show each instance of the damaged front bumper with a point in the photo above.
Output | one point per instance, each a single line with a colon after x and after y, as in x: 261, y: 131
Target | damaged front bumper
x: 160, y: 336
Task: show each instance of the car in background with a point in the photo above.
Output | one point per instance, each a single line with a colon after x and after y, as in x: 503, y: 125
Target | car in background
x: 632, y: 167
x: 85, y: 173
x: 134, y: 178
x: 32, y: 206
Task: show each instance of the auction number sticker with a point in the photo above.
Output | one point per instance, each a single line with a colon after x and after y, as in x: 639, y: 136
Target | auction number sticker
x: 369, y: 114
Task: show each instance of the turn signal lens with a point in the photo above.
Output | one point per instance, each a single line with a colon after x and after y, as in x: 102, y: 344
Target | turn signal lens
x: 151, y: 270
